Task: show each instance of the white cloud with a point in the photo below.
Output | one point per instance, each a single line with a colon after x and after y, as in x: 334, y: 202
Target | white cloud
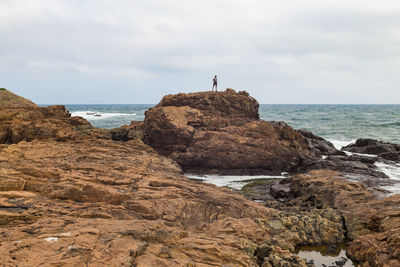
x: 338, y: 49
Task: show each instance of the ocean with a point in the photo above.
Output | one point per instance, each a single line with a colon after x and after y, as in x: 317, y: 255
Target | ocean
x: 340, y: 124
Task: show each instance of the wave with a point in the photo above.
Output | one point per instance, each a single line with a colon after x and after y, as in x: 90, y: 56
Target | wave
x: 94, y: 115
x: 231, y: 181
x: 391, y: 170
x: 339, y: 144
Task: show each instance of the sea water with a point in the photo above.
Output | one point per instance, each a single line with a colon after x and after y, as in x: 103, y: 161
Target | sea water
x: 340, y: 124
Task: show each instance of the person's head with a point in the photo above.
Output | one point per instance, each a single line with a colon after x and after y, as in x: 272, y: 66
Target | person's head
x: 215, y: 76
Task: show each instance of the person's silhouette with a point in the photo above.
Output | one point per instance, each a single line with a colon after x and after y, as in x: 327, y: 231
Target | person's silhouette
x: 215, y: 82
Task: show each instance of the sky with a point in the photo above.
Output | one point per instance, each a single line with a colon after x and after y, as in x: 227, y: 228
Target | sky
x: 131, y: 51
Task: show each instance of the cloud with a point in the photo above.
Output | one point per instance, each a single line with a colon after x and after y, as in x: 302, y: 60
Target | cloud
x: 288, y: 51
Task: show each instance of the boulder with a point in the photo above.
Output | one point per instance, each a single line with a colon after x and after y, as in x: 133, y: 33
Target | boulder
x: 320, y: 144
x: 30, y: 123
x: 382, y: 149
x: 216, y: 104
x: 220, y: 132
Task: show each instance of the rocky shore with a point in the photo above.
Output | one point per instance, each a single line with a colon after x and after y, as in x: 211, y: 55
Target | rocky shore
x: 74, y: 195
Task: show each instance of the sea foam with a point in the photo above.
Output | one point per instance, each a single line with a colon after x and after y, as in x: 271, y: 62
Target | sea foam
x: 91, y: 115
x: 231, y: 181
x: 339, y: 144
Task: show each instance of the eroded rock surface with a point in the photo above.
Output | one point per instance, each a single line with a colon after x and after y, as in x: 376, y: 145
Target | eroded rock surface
x: 372, y: 225
x: 220, y: 132
x: 102, y: 203
x: 71, y: 195
x: 30, y: 123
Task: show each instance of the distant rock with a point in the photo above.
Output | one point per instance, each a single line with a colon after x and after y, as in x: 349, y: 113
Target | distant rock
x: 382, y: 149
x: 220, y: 132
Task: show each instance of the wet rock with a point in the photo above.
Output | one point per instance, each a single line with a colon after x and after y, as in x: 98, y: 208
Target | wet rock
x: 355, y: 167
x: 323, y: 146
x: 128, y: 132
x: 373, y: 225
x: 384, y: 150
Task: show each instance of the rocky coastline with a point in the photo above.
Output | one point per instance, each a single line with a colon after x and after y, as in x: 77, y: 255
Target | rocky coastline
x: 75, y: 195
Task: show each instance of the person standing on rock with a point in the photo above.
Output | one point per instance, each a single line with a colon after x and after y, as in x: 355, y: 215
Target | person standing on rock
x: 215, y: 81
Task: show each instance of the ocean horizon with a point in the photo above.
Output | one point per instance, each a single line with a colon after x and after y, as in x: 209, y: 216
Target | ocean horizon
x: 336, y: 122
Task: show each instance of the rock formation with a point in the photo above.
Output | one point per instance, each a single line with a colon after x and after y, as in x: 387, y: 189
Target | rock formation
x: 384, y: 150
x: 220, y: 132
x: 372, y: 225
x: 71, y: 195
x: 29, y: 123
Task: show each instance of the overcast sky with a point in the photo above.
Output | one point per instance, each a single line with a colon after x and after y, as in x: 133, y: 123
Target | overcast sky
x: 131, y: 51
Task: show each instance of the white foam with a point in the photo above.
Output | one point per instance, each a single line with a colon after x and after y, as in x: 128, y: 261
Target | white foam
x: 231, y: 181
x: 94, y: 115
x: 339, y: 144
x: 394, y: 189
x: 392, y: 170
x: 359, y: 154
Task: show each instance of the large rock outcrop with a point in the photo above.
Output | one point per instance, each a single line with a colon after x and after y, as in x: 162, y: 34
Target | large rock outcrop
x: 88, y: 200
x: 220, y: 132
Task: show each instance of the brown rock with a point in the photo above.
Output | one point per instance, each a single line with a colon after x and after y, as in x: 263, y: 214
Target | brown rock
x: 216, y: 104
x: 101, y: 203
x: 9, y: 99
x: 220, y: 133
x: 30, y: 123
x: 71, y: 196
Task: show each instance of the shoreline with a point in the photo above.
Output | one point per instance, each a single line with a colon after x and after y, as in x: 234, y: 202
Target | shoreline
x: 72, y: 193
